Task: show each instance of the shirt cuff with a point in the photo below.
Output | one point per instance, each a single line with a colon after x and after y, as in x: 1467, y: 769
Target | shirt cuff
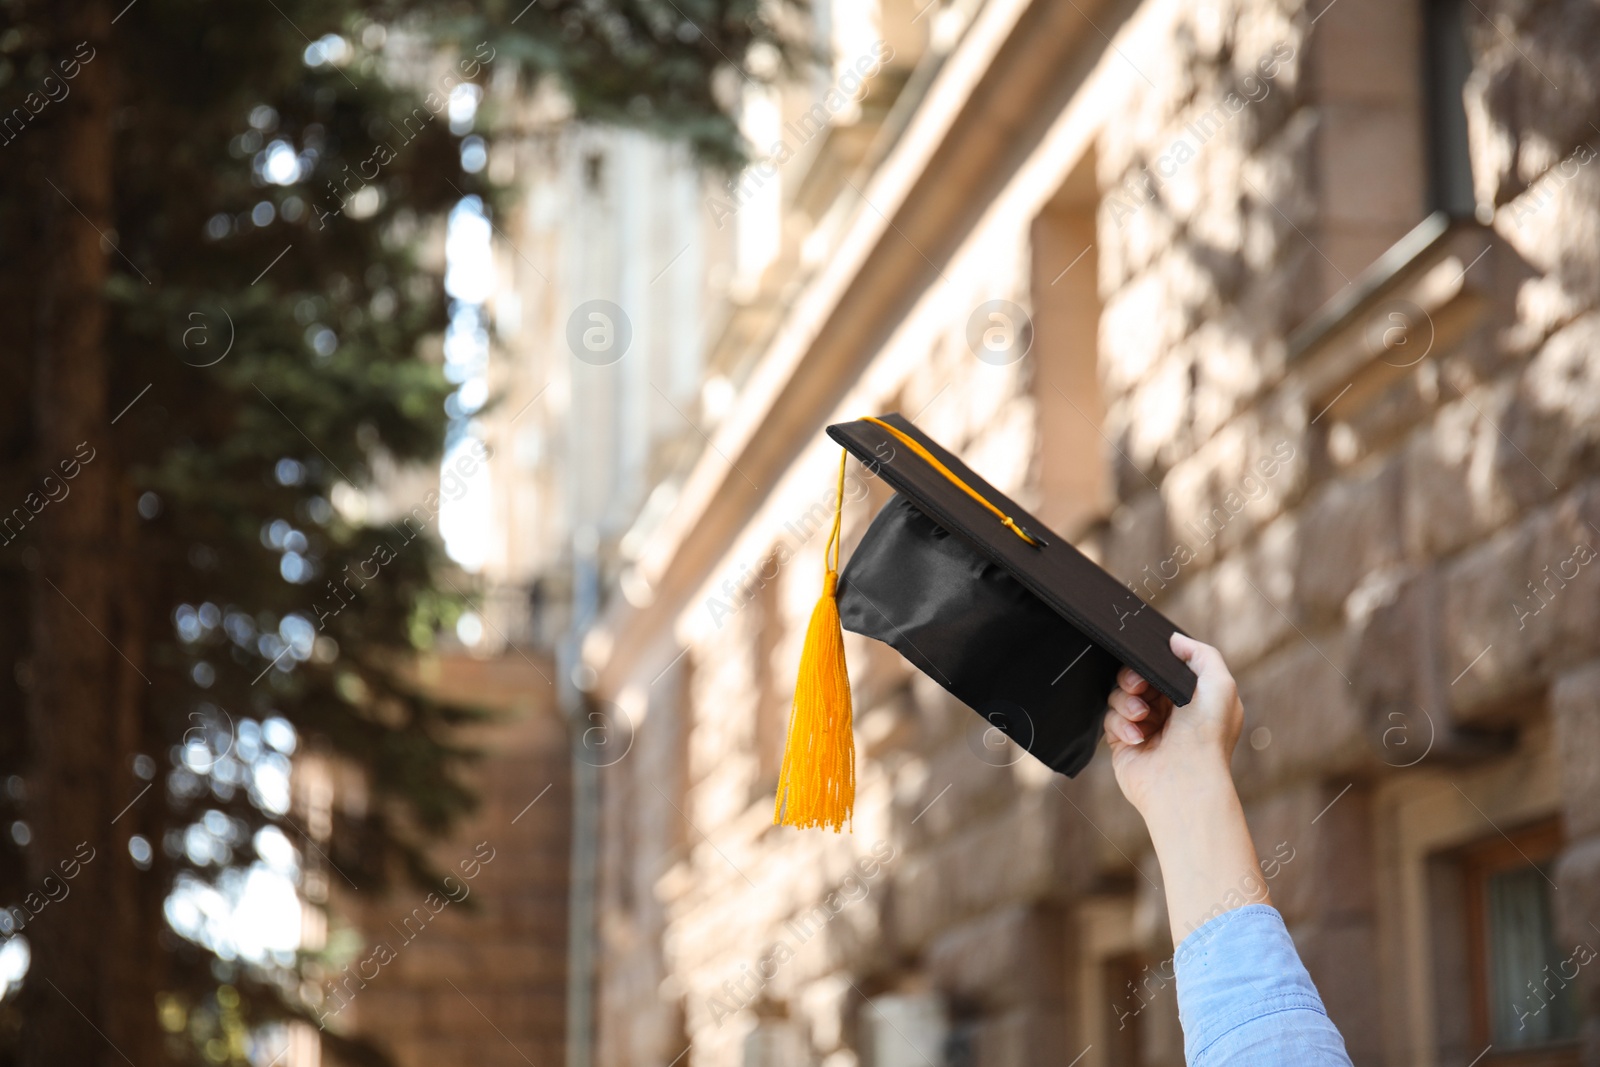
x: 1235, y: 969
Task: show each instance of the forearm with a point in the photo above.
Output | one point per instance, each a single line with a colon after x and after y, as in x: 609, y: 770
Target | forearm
x: 1244, y: 997
x: 1243, y: 994
x: 1208, y: 861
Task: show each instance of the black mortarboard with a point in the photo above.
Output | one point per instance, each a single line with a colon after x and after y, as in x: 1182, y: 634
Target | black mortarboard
x: 978, y: 595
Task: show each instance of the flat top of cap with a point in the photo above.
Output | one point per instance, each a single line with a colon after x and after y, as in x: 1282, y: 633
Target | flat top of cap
x: 1074, y: 586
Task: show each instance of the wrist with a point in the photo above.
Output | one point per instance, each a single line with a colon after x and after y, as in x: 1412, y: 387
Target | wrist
x: 1199, y: 787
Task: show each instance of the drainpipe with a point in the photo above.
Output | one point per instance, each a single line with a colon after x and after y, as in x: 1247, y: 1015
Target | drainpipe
x: 576, y: 706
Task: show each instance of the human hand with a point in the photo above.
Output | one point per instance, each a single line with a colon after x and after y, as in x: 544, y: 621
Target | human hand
x: 1162, y: 755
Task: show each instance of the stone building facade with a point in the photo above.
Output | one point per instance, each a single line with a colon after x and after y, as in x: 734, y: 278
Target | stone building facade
x: 1288, y: 315
x: 475, y: 972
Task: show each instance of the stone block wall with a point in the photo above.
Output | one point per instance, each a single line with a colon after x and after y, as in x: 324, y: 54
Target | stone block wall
x: 1360, y: 501
x: 476, y: 974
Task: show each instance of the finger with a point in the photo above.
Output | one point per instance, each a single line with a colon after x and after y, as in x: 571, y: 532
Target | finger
x: 1144, y: 729
x: 1129, y: 680
x: 1118, y: 729
x: 1156, y: 721
x: 1128, y: 706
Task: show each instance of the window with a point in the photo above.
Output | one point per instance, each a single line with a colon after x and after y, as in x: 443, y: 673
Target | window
x: 1446, y: 64
x: 772, y: 706
x: 1521, y: 992
x: 775, y: 1042
x: 1075, y: 484
x: 594, y: 171
x: 905, y: 1030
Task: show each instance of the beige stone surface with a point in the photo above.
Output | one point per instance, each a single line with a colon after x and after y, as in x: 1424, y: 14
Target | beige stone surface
x: 484, y: 980
x: 1575, y: 708
x: 1364, y: 591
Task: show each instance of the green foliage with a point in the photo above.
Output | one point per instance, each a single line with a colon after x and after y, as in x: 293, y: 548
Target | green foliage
x: 670, y: 66
x: 273, y: 340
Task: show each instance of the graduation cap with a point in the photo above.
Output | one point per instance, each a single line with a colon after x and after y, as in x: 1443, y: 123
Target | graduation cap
x: 978, y: 595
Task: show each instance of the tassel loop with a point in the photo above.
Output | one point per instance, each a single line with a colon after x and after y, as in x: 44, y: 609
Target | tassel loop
x: 817, y: 784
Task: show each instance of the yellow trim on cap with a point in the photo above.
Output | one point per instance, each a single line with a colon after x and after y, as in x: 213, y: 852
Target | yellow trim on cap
x: 1005, y: 520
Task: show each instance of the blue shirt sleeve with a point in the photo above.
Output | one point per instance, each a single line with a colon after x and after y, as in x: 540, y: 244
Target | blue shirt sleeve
x: 1245, y: 999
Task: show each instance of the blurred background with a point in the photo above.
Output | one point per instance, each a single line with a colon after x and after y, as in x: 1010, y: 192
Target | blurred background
x: 413, y: 488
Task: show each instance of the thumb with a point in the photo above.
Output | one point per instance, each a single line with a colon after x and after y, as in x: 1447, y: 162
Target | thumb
x: 1213, y: 681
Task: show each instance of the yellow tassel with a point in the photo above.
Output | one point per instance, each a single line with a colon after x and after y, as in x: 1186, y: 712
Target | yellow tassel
x: 817, y: 785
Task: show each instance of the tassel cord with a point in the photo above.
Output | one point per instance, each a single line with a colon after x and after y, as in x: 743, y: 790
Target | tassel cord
x: 817, y: 783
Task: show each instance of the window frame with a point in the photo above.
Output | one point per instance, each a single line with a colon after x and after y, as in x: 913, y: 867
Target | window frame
x: 1536, y: 843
